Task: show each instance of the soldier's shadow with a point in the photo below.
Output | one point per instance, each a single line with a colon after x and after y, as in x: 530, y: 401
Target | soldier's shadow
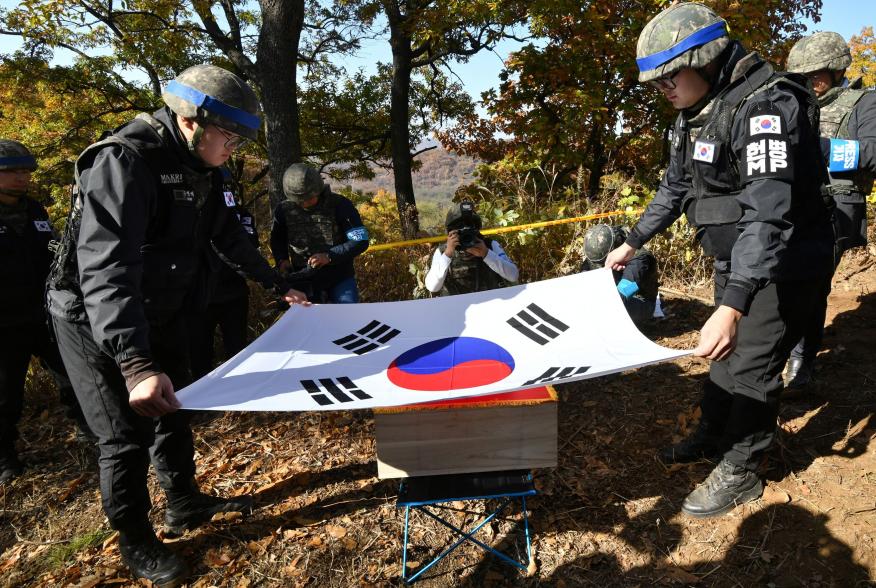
x: 833, y: 416
x: 780, y: 545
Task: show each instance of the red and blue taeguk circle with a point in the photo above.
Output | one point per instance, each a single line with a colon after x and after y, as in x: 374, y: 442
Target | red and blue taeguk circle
x: 453, y: 363
x: 766, y: 123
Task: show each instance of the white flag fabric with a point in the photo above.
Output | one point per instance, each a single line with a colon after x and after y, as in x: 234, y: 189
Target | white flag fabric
x: 349, y: 356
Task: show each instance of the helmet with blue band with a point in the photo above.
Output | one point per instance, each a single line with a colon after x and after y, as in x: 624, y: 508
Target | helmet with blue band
x: 212, y: 95
x: 14, y: 155
x: 687, y: 34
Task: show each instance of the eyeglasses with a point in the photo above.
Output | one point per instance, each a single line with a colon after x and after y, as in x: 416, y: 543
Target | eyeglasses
x: 232, y: 141
x: 665, y: 82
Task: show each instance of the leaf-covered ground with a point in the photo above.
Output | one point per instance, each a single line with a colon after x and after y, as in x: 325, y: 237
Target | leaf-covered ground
x: 608, y: 515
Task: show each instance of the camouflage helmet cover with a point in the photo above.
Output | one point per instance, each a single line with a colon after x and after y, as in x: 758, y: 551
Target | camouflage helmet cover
x: 301, y: 182
x: 14, y: 155
x: 601, y: 239
x: 684, y: 35
x: 462, y: 215
x: 212, y: 95
x: 820, y: 51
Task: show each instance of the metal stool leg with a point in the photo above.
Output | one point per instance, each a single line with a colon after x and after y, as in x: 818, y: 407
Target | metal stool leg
x: 405, y: 545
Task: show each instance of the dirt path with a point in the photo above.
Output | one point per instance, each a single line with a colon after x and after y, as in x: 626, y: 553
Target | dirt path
x: 608, y: 515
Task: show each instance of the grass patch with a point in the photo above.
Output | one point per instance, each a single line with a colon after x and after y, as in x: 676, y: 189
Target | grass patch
x: 60, y: 554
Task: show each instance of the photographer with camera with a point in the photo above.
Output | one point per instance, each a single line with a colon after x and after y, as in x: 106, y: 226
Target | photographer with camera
x: 468, y: 261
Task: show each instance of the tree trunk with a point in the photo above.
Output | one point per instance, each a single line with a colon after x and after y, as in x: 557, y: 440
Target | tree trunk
x: 277, y: 62
x: 399, y: 114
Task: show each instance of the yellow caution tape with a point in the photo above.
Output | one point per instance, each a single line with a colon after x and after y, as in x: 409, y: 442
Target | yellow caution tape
x: 498, y: 230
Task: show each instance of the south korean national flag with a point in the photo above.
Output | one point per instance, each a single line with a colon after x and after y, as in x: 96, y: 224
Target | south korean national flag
x: 229, y: 199
x: 765, y: 124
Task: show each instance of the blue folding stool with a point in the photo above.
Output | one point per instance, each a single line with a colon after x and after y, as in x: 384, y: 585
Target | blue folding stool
x: 422, y: 492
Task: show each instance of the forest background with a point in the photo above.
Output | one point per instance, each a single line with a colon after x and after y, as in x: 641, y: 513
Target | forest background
x: 368, y: 91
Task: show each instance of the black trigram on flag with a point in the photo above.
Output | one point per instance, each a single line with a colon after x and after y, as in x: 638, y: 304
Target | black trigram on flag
x: 368, y: 338
x: 321, y: 389
x: 538, y: 325
x: 553, y: 374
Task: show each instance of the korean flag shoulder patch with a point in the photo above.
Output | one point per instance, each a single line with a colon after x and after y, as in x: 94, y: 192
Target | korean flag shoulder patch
x: 766, y: 153
x: 704, y: 151
x: 229, y: 199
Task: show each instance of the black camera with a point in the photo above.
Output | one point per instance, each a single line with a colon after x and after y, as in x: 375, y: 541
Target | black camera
x: 468, y: 229
x: 468, y: 237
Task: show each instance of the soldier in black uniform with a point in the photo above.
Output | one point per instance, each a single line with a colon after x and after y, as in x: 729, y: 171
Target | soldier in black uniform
x: 468, y: 261
x: 848, y: 140
x: 746, y: 169
x: 637, y: 283
x: 315, y: 236
x: 25, y: 233
x: 148, y: 204
x: 228, y: 308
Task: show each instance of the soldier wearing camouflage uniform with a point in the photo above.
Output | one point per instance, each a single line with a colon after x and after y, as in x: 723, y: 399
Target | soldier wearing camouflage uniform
x: 146, y: 208
x: 848, y: 139
x: 745, y: 168
x: 25, y: 234
x: 637, y: 283
x: 461, y: 268
x: 315, y: 236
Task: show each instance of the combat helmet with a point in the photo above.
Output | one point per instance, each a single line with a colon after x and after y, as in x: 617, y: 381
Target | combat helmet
x: 14, y: 155
x: 684, y: 35
x: 212, y: 95
x: 463, y: 215
x: 301, y: 182
x: 601, y: 239
x: 820, y: 51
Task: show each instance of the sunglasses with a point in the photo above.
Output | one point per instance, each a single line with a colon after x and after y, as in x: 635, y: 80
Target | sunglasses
x: 665, y: 82
x: 232, y: 141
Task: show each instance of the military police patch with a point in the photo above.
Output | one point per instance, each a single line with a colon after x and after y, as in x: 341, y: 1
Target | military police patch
x: 767, y: 151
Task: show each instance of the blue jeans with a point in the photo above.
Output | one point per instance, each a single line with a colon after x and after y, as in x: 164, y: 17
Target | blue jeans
x: 344, y: 292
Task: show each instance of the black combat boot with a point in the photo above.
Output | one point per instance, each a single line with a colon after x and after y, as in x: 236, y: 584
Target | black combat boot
x: 726, y: 487
x: 703, y: 443
x: 149, y: 558
x: 188, y: 511
x: 798, y: 373
x: 10, y: 468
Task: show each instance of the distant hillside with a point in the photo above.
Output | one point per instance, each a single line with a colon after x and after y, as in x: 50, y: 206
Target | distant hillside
x: 436, y: 181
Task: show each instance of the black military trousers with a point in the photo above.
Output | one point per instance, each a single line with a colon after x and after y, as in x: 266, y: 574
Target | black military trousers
x: 640, y: 309
x: 231, y: 317
x: 850, y: 228
x: 741, y: 397
x: 128, y: 441
x: 17, y: 345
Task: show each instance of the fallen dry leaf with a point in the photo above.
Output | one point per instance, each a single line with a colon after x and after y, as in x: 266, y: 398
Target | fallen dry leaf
x: 772, y: 495
x: 335, y: 531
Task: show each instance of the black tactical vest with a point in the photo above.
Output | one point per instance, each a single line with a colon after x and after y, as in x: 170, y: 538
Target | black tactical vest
x: 469, y: 273
x: 175, y: 231
x: 24, y: 264
x: 312, y: 230
x: 711, y: 205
